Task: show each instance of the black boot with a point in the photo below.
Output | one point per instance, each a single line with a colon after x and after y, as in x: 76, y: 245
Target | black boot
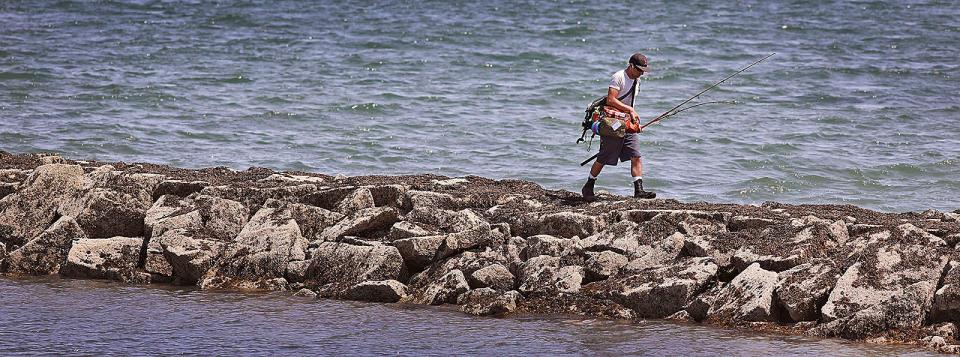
x: 587, y: 190
x: 638, y: 191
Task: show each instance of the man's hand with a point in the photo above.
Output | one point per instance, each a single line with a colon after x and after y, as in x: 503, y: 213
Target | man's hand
x: 634, y: 116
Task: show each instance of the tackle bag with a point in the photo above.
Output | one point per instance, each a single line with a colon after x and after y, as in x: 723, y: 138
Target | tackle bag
x: 605, y: 120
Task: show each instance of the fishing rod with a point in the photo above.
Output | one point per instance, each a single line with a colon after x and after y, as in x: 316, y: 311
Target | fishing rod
x: 674, y: 111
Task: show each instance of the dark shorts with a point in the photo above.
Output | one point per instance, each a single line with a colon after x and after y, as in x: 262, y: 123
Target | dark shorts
x: 614, y: 150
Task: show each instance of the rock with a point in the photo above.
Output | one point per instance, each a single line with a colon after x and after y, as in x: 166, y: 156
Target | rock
x: 749, y: 297
x: 699, y: 307
x: 488, y: 302
x: 661, y: 292
x: 446, y: 290
x: 297, y: 271
x: 803, y: 289
x: 402, y: 229
x: 568, y: 224
x: 494, y: 276
x: 744, y: 257
x: 418, y: 252
x: 48, y: 251
x: 549, y: 245
x: 27, y: 212
x: 365, y: 220
x: 651, y: 256
x: 259, y: 255
x: 305, y: 293
x: 254, y: 197
x: 156, y: 264
x: 376, y: 291
x: 543, y: 274
x: 112, y: 258
x: 342, y: 265
x: 106, y: 213
x: 459, y: 242
x: 312, y: 220
x: 178, y: 188
x: 355, y: 201
x: 901, y: 311
x: 389, y: 196
x: 189, y: 259
x: 739, y: 223
x: 207, y: 217
x: 421, y: 199
x: 603, y: 265
x: 446, y: 220
x: 946, y: 300
x: 934, y: 342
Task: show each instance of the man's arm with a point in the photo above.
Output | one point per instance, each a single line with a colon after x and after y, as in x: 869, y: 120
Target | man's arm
x: 612, y: 94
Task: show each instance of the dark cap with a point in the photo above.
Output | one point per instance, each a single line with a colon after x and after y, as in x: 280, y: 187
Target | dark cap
x: 640, y: 61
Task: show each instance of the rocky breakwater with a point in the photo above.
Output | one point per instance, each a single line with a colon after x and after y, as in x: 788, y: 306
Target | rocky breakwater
x: 491, y: 247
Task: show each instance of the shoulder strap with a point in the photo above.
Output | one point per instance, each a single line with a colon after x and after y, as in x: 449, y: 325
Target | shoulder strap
x: 633, y: 89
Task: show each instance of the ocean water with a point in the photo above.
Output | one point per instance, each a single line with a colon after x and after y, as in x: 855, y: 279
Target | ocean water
x: 858, y: 106
x: 90, y: 318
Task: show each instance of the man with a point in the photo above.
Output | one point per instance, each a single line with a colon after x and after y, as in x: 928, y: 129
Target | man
x: 613, y: 149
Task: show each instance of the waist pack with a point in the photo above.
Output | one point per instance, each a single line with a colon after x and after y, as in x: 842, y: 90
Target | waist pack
x: 605, y: 120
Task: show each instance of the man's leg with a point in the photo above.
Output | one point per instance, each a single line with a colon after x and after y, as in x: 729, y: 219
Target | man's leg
x: 636, y: 169
x: 587, y: 190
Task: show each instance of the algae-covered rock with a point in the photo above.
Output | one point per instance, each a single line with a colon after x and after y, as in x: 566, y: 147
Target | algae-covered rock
x: 110, y: 258
x: 45, y: 254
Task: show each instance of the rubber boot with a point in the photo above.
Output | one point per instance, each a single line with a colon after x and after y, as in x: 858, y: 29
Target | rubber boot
x: 587, y: 190
x: 638, y: 191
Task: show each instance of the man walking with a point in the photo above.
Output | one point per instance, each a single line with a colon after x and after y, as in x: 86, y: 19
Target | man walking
x: 613, y: 149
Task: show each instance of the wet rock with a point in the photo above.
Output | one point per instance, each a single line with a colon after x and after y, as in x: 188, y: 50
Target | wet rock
x: 600, y: 266
x: 446, y: 289
x: 749, y: 297
x: 666, y: 290
x: 488, y: 302
x: 699, y: 307
x: 543, y: 274
x: 112, y: 258
x: 297, y: 271
x: 549, y: 245
x: 376, y: 291
x: 357, y: 200
x: 29, y: 211
x: 418, y: 252
x: 495, y: 276
x: 48, y: 251
x: 363, y: 221
x: 803, y: 289
x: 305, y: 293
x: 342, y: 265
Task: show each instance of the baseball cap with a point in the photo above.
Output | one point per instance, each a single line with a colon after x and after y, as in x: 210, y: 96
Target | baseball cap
x: 640, y: 61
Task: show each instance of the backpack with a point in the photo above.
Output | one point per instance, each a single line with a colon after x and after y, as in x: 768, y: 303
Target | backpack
x: 607, y: 121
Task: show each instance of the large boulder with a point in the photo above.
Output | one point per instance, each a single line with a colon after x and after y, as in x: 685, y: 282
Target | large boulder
x: 365, y: 220
x: 946, y: 301
x: 27, y: 212
x: 105, y: 212
x: 568, y: 224
x: 341, y: 265
x: 446, y: 290
x: 376, y: 291
x: 543, y: 244
x: 495, y: 276
x: 749, y: 297
x: 418, y: 252
x: 357, y: 200
x: 546, y: 275
x: 803, y: 289
x: 890, y: 286
x: 258, y: 257
x: 111, y: 258
x: 474, y: 238
x: 602, y: 265
x: 48, y: 251
x: 663, y: 291
x: 188, y: 258
x: 446, y: 220
x: 209, y: 217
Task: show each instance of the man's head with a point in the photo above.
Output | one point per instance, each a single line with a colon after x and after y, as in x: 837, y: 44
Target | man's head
x: 638, y: 65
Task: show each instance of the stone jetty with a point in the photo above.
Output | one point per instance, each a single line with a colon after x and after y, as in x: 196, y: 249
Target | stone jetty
x: 490, y: 247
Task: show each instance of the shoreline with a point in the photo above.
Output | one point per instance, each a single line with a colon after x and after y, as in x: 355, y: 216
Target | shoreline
x: 490, y: 247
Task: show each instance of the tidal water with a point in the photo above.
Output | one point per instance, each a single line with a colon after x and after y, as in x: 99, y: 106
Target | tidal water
x: 82, y: 317
x: 858, y: 106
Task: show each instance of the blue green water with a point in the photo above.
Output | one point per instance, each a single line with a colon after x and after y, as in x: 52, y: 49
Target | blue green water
x: 858, y: 106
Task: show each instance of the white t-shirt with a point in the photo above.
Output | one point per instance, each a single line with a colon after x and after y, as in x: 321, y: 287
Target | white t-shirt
x: 621, y: 82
